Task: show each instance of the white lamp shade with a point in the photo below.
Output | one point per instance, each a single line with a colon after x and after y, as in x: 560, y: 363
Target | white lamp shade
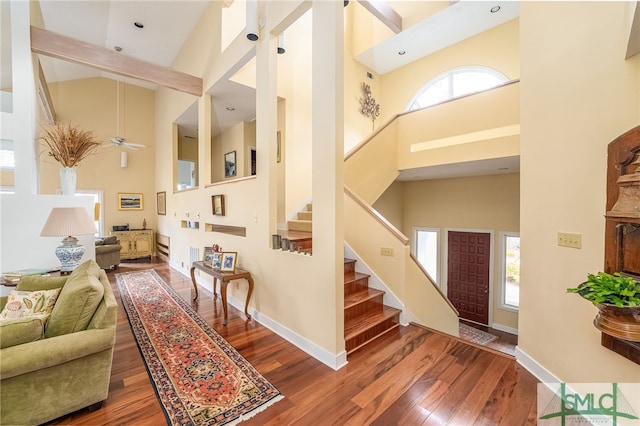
x: 68, y: 221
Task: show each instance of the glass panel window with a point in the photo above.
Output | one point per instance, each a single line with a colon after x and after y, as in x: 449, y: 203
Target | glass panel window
x: 425, y: 249
x: 454, y: 83
x: 7, y: 159
x: 510, y: 268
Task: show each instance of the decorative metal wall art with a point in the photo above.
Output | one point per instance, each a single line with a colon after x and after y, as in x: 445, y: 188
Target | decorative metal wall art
x: 368, y: 106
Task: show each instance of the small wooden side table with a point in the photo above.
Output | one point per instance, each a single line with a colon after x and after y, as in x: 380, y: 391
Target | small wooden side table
x: 225, y: 278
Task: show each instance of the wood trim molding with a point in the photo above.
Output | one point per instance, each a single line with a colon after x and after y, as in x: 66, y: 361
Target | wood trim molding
x: 633, y: 47
x: 47, y: 43
x: 396, y: 233
x: 385, y: 13
x: 424, y: 271
x: 45, y: 96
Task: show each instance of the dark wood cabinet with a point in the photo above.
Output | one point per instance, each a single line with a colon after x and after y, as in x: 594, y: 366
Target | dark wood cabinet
x: 622, y: 229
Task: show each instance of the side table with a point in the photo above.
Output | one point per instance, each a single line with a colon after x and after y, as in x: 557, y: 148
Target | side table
x: 225, y: 278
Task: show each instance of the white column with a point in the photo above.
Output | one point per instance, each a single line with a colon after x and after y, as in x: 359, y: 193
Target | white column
x: 328, y: 150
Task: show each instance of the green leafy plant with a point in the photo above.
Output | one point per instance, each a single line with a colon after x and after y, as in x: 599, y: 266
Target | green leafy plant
x: 614, y: 289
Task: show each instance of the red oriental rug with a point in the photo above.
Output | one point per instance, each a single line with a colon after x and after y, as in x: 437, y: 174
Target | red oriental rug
x: 200, y: 379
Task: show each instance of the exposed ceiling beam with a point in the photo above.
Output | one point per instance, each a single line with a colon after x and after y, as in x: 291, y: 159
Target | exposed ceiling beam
x: 69, y: 49
x: 385, y: 13
x: 633, y: 48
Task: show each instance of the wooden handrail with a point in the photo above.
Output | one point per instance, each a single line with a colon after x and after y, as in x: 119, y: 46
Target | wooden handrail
x: 366, y: 140
x: 384, y: 222
x: 433, y: 283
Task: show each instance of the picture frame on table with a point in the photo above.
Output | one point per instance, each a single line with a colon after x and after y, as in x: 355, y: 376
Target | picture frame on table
x: 230, y: 164
x: 217, y: 260
x: 130, y: 201
x: 207, y: 256
x: 228, y: 261
x: 161, y: 203
x: 217, y: 202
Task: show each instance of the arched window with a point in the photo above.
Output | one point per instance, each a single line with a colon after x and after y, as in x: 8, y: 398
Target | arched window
x: 454, y: 83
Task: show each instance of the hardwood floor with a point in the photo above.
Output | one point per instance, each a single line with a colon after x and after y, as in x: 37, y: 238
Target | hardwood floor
x: 505, y: 343
x: 411, y: 376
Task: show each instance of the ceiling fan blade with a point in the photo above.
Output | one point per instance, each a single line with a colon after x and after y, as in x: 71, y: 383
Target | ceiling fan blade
x: 120, y: 141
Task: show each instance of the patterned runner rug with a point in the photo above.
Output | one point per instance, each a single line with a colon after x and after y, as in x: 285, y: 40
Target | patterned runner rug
x: 200, y: 379
x: 473, y: 335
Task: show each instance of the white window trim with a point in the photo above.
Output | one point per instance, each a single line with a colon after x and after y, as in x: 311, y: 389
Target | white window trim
x: 449, y: 75
x: 414, y: 249
x: 503, y: 271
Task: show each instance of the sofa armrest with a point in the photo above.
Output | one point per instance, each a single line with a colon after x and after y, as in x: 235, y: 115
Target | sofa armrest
x: 22, y: 359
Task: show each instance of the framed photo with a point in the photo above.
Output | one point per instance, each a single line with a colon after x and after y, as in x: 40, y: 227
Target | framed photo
x: 161, y: 203
x: 228, y: 262
x: 130, y: 201
x: 207, y: 257
x: 230, y: 164
x: 217, y: 202
x: 279, y: 147
x: 217, y: 260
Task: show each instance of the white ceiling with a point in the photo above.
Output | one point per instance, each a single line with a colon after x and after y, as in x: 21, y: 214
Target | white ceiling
x: 167, y: 24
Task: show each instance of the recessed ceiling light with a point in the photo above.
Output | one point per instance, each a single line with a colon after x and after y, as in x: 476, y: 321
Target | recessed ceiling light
x: 494, y: 9
x: 117, y: 48
x: 230, y: 109
x: 138, y: 24
x: 402, y: 52
x: 503, y: 168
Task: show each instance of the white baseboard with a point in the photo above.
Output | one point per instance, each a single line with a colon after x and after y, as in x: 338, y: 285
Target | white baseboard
x: 504, y: 328
x: 541, y: 373
x: 333, y: 361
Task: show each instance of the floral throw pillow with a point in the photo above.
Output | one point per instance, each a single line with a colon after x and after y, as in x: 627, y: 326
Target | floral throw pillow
x: 22, y: 304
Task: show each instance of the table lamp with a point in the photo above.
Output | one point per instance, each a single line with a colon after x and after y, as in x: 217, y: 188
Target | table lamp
x: 65, y: 222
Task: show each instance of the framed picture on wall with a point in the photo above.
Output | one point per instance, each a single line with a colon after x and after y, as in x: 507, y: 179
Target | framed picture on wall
x: 161, y: 203
x: 130, y: 201
x: 230, y: 164
x: 218, y: 204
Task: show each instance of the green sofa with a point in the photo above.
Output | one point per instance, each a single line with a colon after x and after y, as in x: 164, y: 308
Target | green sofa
x: 47, y: 371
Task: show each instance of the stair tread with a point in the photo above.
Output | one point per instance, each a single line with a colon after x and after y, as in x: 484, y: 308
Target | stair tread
x: 350, y: 277
x: 361, y: 296
x: 368, y: 320
x: 393, y: 327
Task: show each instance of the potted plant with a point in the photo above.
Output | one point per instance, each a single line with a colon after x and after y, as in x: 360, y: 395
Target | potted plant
x: 69, y: 145
x: 618, y: 300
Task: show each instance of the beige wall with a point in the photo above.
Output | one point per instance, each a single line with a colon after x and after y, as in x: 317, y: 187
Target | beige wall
x: 293, y: 291
x: 577, y: 94
x: 497, y: 48
x: 91, y: 105
x: 488, y: 203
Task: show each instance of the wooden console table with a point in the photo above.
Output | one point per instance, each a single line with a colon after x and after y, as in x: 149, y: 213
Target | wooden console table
x: 225, y: 278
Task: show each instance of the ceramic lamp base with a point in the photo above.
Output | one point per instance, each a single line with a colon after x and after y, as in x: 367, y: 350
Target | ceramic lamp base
x: 69, y: 254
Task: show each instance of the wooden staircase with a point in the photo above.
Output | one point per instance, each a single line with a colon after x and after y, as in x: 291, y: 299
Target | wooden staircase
x: 365, y: 315
x: 302, y: 221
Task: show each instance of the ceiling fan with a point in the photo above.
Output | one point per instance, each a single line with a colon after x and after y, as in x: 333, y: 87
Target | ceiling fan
x: 119, y: 140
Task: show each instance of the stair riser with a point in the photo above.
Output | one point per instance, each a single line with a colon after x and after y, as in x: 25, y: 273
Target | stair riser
x: 349, y: 266
x: 370, y: 334
x: 305, y: 215
x: 359, y: 285
x: 297, y: 225
x: 366, y: 306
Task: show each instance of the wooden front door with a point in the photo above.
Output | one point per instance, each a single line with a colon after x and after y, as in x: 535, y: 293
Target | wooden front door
x: 468, y: 264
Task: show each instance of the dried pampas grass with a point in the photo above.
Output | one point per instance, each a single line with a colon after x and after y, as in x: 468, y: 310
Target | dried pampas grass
x: 69, y: 145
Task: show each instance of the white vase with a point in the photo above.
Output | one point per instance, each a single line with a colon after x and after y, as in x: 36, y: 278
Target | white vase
x: 68, y: 180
